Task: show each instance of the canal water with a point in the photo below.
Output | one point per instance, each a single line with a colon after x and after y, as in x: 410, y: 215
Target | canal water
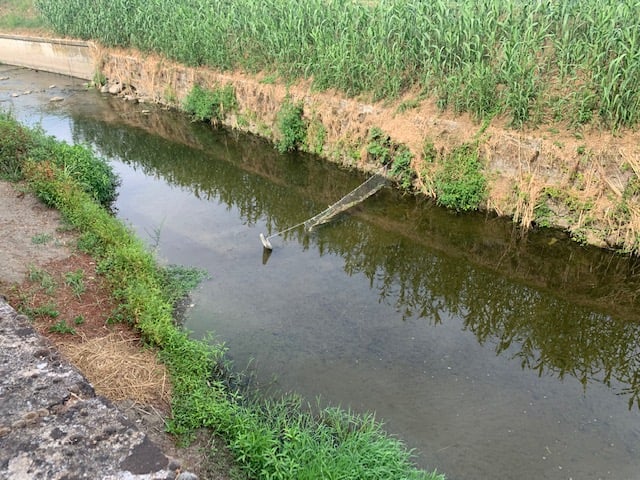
x: 493, y: 356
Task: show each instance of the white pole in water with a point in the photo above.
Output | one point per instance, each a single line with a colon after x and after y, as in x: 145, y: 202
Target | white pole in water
x: 265, y: 242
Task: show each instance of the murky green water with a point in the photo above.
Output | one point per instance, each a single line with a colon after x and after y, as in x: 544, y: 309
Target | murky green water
x: 493, y: 356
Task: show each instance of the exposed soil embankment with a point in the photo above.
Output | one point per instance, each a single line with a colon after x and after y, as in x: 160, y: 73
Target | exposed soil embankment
x: 583, y: 180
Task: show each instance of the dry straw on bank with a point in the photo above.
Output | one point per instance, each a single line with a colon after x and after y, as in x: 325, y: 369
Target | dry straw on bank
x: 118, y: 369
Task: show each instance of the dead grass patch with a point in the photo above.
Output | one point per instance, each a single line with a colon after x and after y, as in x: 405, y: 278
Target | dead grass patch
x: 119, y: 369
x: 111, y: 355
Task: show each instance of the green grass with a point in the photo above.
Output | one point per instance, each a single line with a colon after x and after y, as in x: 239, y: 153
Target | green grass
x: 292, y: 127
x: 459, y: 183
x: 62, y: 327
x: 270, y: 440
x: 41, y: 238
x: 396, y: 157
x: 76, y: 162
x: 530, y: 61
x: 47, y: 310
x: 210, y: 105
x: 19, y: 15
x: 43, y: 278
x: 75, y: 280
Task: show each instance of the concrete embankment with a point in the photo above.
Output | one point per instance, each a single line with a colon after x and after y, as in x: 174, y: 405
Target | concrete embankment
x: 67, y: 57
x: 52, y: 424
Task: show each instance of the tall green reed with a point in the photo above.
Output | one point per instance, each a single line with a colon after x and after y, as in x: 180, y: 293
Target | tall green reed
x: 518, y: 58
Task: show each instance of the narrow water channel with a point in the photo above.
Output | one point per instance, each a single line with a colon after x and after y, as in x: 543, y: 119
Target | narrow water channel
x: 493, y: 356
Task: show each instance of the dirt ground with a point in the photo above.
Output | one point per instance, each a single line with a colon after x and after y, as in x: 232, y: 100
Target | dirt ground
x: 45, y: 276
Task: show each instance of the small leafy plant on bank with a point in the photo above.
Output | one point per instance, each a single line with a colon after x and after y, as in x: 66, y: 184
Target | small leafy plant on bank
x: 395, y: 156
x: 291, y: 127
x: 62, y: 327
x: 43, y: 279
x: 48, y: 310
x: 75, y: 280
x: 41, y: 238
x: 210, y: 105
x: 458, y: 181
x: 316, y: 136
x: 270, y: 440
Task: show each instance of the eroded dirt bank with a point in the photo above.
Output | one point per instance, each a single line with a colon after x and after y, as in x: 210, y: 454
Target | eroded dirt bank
x: 583, y: 180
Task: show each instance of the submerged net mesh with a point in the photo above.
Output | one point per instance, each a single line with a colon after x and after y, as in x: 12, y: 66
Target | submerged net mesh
x: 364, y: 191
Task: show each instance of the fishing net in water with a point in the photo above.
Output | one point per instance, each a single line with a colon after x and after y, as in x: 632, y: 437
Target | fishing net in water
x: 361, y: 193
x: 364, y: 191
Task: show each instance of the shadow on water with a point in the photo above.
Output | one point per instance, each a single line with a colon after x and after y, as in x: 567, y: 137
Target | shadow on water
x: 558, y: 308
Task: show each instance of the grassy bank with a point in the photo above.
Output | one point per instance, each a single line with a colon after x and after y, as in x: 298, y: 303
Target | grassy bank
x: 20, y: 15
x: 577, y: 62
x: 275, y: 440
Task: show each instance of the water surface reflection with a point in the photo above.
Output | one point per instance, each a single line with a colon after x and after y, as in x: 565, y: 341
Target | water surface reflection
x: 570, y: 310
x: 495, y: 356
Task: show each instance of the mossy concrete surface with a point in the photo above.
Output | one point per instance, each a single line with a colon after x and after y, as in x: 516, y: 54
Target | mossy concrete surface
x: 52, y: 424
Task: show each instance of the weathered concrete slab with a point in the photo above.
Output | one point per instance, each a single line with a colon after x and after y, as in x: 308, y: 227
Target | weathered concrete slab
x: 53, y: 426
x: 68, y: 57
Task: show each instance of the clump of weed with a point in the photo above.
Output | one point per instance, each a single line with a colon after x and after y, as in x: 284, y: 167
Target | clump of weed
x: 93, y: 174
x: 43, y: 278
x: 316, y: 136
x: 379, y: 146
x: 62, y: 327
x: 99, y: 79
x: 543, y: 215
x: 169, y: 95
x: 458, y: 182
x: 291, y: 126
x: 14, y: 148
x: 41, y: 238
x: 75, y: 280
x: 395, y: 156
x: 210, y: 105
x: 49, y: 310
x: 401, y: 168
x: 177, y: 281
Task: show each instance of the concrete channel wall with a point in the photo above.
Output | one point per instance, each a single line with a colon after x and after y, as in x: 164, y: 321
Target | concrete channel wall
x: 67, y: 57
